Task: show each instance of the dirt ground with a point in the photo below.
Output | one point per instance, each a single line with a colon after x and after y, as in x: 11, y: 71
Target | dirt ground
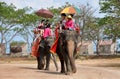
x: 17, y: 68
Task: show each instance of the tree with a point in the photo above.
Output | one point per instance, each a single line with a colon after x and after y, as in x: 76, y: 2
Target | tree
x: 10, y: 21
x: 30, y: 22
x: 90, y: 28
x: 112, y: 21
x: 13, y: 21
x: 7, y: 22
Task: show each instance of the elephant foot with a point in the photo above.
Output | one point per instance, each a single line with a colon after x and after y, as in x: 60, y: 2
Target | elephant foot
x: 74, y: 70
x: 40, y: 67
x: 46, y: 68
x: 62, y: 71
x: 68, y: 73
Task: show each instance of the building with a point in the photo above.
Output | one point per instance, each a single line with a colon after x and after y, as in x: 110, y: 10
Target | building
x: 107, y: 47
x: 86, y: 47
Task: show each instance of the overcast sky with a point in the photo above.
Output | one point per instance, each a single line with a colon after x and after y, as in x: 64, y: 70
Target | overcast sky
x: 37, y: 4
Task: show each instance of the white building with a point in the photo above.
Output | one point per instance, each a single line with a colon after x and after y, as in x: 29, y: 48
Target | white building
x: 107, y: 47
x: 86, y: 47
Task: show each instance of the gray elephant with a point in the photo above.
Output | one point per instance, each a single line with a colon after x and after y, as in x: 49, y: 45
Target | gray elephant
x: 45, y: 55
x: 66, y: 49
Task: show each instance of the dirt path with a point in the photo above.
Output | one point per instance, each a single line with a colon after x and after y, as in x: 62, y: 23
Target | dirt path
x: 27, y: 70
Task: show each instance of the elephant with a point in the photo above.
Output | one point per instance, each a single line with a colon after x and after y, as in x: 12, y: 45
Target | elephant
x: 44, y: 51
x: 66, y: 50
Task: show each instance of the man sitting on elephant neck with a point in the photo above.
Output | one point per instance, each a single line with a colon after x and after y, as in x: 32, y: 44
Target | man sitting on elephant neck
x: 63, y: 21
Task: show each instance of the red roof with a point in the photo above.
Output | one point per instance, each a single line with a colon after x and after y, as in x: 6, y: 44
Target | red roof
x: 85, y: 43
x: 105, y: 42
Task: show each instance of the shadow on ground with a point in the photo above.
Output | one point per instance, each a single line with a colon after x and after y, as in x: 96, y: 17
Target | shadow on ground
x: 109, y: 65
x: 41, y: 71
x: 50, y: 72
x: 29, y: 68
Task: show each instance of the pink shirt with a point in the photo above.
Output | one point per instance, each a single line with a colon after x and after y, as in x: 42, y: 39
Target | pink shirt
x: 69, y: 24
x: 47, y: 32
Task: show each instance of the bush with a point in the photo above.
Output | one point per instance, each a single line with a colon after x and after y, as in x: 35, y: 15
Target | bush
x: 17, y: 43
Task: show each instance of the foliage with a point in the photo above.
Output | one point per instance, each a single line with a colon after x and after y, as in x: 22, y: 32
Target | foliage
x: 112, y: 9
x: 17, y: 43
x: 89, y: 28
x: 14, y: 21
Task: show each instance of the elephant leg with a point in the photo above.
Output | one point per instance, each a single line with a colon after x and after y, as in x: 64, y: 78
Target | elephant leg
x: 47, y: 61
x: 62, y: 66
x: 38, y: 63
x: 72, y: 62
x: 71, y: 47
x: 61, y: 61
x: 41, y: 58
x: 47, y: 53
x: 68, y: 65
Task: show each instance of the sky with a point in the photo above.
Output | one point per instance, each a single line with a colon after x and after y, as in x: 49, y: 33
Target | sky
x: 38, y: 4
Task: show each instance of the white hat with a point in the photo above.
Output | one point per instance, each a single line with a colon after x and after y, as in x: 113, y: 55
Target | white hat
x: 69, y: 16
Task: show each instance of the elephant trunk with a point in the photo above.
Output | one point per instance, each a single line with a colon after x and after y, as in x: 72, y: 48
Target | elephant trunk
x: 71, y: 48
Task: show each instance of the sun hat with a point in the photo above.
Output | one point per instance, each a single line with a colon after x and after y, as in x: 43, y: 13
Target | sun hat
x: 69, y: 16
